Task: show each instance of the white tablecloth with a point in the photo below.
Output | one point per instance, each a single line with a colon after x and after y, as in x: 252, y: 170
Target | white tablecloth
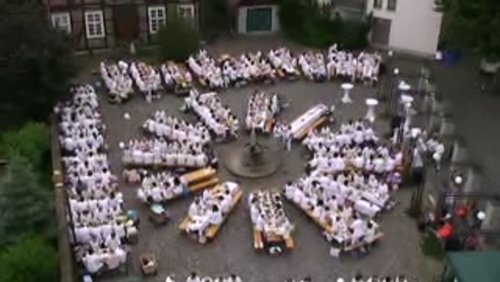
x: 308, y: 118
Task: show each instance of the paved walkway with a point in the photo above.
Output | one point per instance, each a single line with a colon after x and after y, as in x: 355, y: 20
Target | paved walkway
x: 476, y: 115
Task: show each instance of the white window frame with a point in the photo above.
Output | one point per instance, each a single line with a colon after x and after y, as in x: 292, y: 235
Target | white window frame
x: 189, y: 7
x: 392, y: 6
x: 378, y: 5
x: 61, y: 17
x: 98, y: 23
x: 153, y: 18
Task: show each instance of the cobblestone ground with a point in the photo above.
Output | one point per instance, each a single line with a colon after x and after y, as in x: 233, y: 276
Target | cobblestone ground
x: 232, y: 251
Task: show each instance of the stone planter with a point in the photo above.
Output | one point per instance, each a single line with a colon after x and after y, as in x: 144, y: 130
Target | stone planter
x: 489, y: 67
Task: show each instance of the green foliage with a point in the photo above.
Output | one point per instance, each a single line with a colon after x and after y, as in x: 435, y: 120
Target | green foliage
x: 29, y: 260
x: 215, y: 17
x: 177, y: 39
x: 307, y: 23
x: 431, y: 246
x: 25, y: 208
x: 474, y: 25
x: 35, y: 62
x: 31, y: 142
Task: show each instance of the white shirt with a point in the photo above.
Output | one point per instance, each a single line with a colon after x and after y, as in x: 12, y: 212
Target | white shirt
x: 93, y: 263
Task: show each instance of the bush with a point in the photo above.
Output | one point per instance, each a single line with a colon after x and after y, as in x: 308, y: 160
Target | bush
x: 305, y: 22
x: 25, y: 208
x: 29, y: 260
x: 177, y: 40
x: 36, y: 63
x: 215, y: 17
x: 431, y: 246
x: 31, y: 142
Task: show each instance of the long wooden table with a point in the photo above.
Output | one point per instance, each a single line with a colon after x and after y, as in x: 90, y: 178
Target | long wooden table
x: 212, y: 230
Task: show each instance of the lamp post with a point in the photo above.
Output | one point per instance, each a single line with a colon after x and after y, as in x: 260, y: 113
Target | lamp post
x: 385, y: 86
x: 407, y: 101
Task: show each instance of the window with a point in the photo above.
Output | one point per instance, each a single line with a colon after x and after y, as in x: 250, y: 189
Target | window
x: 185, y: 11
x: 61, y: 21
x: 391, y: 5
x: 94, y: 24
x: 157, y: 18
x: 377, y: 4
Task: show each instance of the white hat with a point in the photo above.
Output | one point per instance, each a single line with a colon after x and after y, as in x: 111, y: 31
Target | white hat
x: 121, y: 145
x: 481, y: 215
x: 340, y: 280
x: 126, y: 116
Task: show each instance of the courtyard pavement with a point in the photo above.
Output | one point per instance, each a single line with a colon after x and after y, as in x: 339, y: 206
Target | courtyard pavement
x: 232, y: 251
x: 476, y: 114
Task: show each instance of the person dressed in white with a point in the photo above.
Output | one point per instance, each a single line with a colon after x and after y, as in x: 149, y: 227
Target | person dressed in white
x: 193, y: 277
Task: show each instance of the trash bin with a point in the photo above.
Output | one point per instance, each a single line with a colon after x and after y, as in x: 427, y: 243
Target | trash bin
x: 451, y: 57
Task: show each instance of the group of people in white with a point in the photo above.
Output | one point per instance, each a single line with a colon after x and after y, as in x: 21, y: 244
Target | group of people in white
x: 211, y: 208
x: 229, y: 71
x: 117, y: 81
x: 284, y: 62
x: 147, y: 79
x: 354, y: 146
x: 361, y: 278
x: 365, y: 67
x: 194, y: 277
x: 280, y: 63
x: 267, y: 214
x: 176, y: 76
x: 95, y: 204
x: 429, y: 147
x: 206, y: 69
x: 262, y: 109
x: 151, y: 152
x: 313, y: 66
x: 174, y: 129
x: 217, y: 117
x: 160, y: 187
x: 348, y: 182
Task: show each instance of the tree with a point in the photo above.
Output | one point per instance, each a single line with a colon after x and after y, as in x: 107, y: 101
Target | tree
x: 308, y: 23
x: 178, y: 39
x: 25, y: 207
x: 29, y: 260
x: 35, y: 62
x: 216, y: 17
x: 31, y: 142
x: 474, y: 25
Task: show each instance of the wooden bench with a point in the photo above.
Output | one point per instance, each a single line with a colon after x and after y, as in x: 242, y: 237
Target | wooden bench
x: 258, y: 242
x: 214, y: 229
x: 352, y: 247
x: 269, y: 125
x: 198, y: 175
x: 204, y: 184
x: 202, y: 82
x: 280, y: 73
x: 302, y: 134
x: 328, y: 228
x: 289, y: 243
x: 184, y: 224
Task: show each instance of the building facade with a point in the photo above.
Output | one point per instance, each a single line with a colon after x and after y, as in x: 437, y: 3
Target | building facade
x: 408, y: 25
x: 98, y: 24
x: 257, y: 17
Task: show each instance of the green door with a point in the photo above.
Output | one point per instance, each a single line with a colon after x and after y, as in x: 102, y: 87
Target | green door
x: 259, y: 19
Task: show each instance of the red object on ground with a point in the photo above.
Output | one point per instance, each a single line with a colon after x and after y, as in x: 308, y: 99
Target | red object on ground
x: 445, y: 231
x: 462, y: 211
